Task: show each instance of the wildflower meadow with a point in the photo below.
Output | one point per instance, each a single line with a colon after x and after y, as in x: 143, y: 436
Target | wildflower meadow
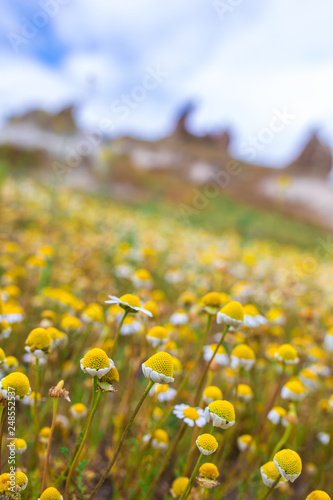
x: 144, y: 358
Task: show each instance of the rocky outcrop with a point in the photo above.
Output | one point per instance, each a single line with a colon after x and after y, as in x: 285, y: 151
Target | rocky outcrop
x: 182, y: 132
x: 314, y: 161
x: 61, y: 123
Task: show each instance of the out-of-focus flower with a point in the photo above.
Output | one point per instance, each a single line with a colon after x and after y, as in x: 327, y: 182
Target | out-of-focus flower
x: 324, y: 438
x: 157, y: 336
x: 128, y: 302
x: 252, y: 317
x: 242, y: 356
x: 244, y: 392
x: 78, y: 411
x: 178, y: 486
x: 159, y: 439
x: 276, y: 414
x: 318, y: 495
x: 221, y: 357
x: 38, y: 343
x: 287, y: 354
x: 246, y: 442
x: 269, y: 474
x: 179, y: 317
x: 232, y: 314
x: 212, y: 393
x: 191, y: 416
x: 293, y: 390
x: 163, y: 392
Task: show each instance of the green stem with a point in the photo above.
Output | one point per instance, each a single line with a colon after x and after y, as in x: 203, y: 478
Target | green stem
x: 94, y: 402
x: 55, y: 405
x: 271, y: 488
x: 36, y: 395
x: 188, y: 488
x: 118, y: 333
x: 243, y: 456
x: 2, y: 419
x: 122, y: 439
x: 196, y: 361
x: 203, y: 376
x: 282, y: 441
x: 167, y: 459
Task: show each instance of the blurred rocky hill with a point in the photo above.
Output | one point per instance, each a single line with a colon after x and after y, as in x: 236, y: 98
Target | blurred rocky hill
x: 177, y: 167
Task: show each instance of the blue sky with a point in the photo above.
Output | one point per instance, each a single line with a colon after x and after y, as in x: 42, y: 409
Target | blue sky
x: 241, y: 67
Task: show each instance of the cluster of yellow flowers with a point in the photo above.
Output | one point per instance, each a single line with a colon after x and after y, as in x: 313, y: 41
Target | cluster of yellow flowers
x: 165, y: 359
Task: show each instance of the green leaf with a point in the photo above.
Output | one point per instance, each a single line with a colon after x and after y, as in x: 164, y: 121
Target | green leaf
x: 65, y: 450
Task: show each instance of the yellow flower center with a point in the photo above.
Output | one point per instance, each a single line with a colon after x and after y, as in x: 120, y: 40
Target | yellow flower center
x: 270, y: 470
x: 318, y: 495
x: 40, y: 339
x: 131, y: 300
x: 223, y: 409
x: 179, y: 485
x: 287, y: 352
x: 220, y: 350
x: 318, y: 353
x: 295, y: 386
x: 50, y: 494
x: 96, y: 359
x: 244, y: 390
x: 243, y: 351
x: 162, y: 388
x: 158, y: 332
x: 20, y: 478
x: 70, y: 323
x: 2, y: 355
x: 161, y: 363
x: 207, y: 442
x: 213, y: 392
x: 308, y: 374
x: 17, y: 381
x: 94, y: 312
x: 177, y: 366
x: 212, y: 299
x: 274, y: 314
x: 289, y: 461
x: 191, y: 413
x: 79, y: 408
x: 20, y: 444
x: 161, y: 436
x: 4, y: 325
x: 6, y: 481
x: 55, y: 334
x: 251, y: 310
x: 111, y: 376
x: 209, y: 471
x: 234, y: 310
x: 279, y: 410
x: 152, y: 307
x: 247, y: 439
x: 143, y: 274
x: 45, y: 432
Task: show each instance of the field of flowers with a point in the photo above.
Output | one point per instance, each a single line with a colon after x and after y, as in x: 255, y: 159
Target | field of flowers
x: 145, y: 359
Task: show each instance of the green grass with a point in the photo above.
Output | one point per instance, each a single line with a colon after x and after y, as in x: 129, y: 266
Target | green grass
x: 222, y: 214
